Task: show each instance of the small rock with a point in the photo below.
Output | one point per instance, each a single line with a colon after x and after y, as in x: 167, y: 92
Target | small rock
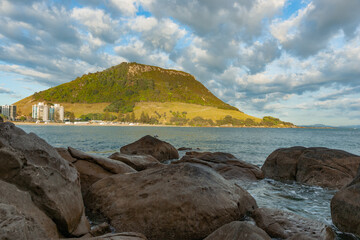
x: 184, y: 149
x: 238, y: 231
x: 160, y: 150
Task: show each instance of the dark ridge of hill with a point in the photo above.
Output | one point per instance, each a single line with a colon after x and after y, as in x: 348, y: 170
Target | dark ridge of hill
x: 128, y: 83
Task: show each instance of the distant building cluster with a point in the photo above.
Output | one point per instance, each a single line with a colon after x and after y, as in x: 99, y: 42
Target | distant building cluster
x: 43, y: 112
x: 8, y: 111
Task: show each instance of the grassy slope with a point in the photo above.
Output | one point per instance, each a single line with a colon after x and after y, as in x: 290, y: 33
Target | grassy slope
x: 193, y: 110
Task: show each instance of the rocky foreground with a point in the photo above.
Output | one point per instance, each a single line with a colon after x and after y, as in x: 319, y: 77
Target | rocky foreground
x: 48, y: 193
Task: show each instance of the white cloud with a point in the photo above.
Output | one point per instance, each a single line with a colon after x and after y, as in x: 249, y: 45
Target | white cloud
x: 100, y: 24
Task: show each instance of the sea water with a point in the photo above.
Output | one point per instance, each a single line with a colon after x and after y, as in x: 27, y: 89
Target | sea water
x: 252, y: 145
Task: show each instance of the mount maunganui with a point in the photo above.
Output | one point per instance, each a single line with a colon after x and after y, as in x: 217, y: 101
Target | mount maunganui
x: 135, y: 92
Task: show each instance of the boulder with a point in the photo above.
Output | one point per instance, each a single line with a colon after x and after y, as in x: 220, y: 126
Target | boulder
x: 64, y: 153
x: 138, y: 162
x: 285, y: 225
x: 224, y: 163
x: 107, y: 164
x: 238, y: 231
x: 149, y: 145
x: 345, y: 207
x: 115, y: 236
x: 31, y: 164
x: 20, y: 218
x: 93, y: 168
x: 314, y: 166
x: 177, y: 201
x: 90, y: 173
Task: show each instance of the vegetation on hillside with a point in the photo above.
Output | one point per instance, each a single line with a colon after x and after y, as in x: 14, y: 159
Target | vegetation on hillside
x: 128, y: 83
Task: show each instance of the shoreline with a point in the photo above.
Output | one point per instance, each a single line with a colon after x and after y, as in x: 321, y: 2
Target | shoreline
x: 143, y: 125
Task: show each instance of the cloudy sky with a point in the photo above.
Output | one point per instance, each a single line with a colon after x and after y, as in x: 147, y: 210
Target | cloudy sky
x: 297, y: 60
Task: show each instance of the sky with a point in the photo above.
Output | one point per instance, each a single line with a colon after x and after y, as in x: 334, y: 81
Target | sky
x: 296, y: 60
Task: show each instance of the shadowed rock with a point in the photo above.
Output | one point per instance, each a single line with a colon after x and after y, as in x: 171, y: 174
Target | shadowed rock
x: 160, y: 150
x: 286, y: 225
x: 116, y: 236
x: 314, y: 166
x: 31, y: 164
x: 224, y: 163
x: 20, y: 218
x: 93, y: 168
x: 238, y: 231
x: 138, y: 162
x: 64, y: 153
x: 345, y: 207
x: 179, y: 201
x: 108, y: 164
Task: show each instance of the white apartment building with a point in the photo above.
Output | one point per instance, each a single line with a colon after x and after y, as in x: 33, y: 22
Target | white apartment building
x: 9, y: 111
x: 43, y: 112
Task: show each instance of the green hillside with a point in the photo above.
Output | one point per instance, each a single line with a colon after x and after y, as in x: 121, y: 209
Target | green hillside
x: 128, y: 83
x: 132, y: 92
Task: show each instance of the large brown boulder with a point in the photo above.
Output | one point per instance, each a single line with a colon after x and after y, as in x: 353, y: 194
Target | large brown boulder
x: 177, y: 201
x: 345, y: 207
x: 138, y: 162
x: 285, y: 225
x: 31, y: 164
x: 314, y: 166
x: 20, y: 218
x: 160, y: 150
x: 224, y: 163
x: 238, y: 231
x: 92, y: 168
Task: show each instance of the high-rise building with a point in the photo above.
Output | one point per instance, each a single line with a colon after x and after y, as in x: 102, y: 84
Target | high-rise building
x: 42, y: 111
x: 9, y: 111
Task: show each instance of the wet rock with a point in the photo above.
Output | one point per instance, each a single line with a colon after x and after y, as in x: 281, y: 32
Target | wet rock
x: 100, y: 229
x: 20, y: 218
x: 179, y: 201
x: 138, y: 162
x: 53, y: 183
x: 238, y: 231
x: 149, y: 145
x: 345, y: 207
x: 224, y: 163
x: 314, y: 166
x: 286, y: 225
x: 184, y: 149
x: 107, y: 164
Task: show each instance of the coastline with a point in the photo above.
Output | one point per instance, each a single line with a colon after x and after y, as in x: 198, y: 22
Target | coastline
x: 136, y: 125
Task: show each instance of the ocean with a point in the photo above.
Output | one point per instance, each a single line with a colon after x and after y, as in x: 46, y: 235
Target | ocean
x: 252, y: 145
